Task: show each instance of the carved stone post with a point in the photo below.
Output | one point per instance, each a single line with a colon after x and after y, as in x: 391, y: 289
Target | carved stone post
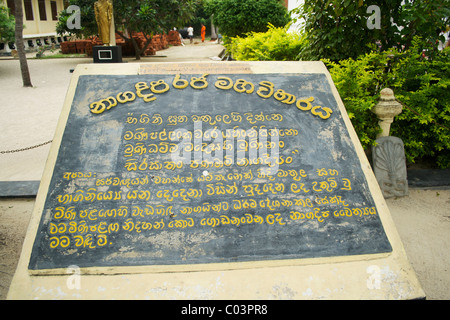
x: 386, y: 109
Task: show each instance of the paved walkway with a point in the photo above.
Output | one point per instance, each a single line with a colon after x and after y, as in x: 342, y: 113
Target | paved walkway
x: 29, y: 115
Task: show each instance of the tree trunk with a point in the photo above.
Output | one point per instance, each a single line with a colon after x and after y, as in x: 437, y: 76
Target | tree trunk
x: 19, y: 44
x: 147, y: 43
x: 137, y: 51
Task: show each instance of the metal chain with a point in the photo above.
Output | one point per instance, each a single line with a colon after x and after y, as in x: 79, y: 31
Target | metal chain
x: 27, y: 148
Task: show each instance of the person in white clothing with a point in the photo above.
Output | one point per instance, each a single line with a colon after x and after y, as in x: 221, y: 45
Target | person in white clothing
x: 190, y: 31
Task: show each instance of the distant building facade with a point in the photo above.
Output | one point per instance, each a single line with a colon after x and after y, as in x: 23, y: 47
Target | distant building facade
x: 291, y: 5
x: 40, y: 18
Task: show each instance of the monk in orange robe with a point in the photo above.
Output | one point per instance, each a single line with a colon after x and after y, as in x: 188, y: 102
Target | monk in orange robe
x: 203, y: 33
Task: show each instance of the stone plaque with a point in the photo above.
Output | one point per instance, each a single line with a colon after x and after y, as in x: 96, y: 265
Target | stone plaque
x: 198, y: 169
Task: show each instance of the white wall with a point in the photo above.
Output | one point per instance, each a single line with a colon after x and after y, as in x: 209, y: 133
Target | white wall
x: 292, y: 4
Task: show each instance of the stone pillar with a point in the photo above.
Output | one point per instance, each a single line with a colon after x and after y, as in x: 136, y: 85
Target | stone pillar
x: 386, y: 109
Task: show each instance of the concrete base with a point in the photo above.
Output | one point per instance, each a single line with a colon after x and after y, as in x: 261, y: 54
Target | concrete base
x: 380, y: 276
x: 107, y: 54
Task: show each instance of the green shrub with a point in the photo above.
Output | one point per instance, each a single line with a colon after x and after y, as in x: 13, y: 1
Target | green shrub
x: 420, y: 78
x: 423, y: 87
x: 239, y: 17
x: 359, y: 83
x: 277, y: 44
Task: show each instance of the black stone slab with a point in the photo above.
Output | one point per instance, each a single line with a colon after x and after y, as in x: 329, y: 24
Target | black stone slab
x: 112, y: 204
x: 429, y: 178
x: 107, y: 54
x: 19, y: 188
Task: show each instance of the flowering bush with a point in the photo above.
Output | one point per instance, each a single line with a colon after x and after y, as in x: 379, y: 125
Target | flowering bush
x: 277, y: 44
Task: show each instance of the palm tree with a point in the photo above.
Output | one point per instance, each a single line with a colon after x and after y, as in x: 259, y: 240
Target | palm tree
x: 19, y: 44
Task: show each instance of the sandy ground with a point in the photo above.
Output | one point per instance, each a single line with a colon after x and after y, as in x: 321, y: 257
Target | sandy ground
x: 423, y: 222
x: 29, y: 117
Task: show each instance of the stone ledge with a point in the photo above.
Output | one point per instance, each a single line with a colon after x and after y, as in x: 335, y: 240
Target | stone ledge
x: 19, y: 188
x: 429, y: 178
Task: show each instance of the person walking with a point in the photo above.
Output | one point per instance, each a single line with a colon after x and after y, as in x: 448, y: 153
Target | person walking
x: 190, y: 31
x: 203, y: 32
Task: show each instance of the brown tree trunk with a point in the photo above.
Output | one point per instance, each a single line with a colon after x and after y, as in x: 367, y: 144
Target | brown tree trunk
x: 147, y: 43
x: 19, y: 44
x: 137, y: 51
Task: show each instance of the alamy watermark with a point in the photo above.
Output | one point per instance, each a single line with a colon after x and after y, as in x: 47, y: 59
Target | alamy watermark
x: 374, y: 280
x: 74, y: 280
x: 74, y: 20
x: 218, y: 148
x: 374, y: 21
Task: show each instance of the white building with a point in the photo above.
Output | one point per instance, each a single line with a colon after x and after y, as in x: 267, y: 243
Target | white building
x: 291, y: 5
x: 40, y: 18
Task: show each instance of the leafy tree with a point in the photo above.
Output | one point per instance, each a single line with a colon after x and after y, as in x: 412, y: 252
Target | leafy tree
x: 425, y: 18
x: 201, y: 16
x: 338, y: 29
x: 238, y: 17
x: 134, y: 16
x: 88, y: 26
x: 7, y: 24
